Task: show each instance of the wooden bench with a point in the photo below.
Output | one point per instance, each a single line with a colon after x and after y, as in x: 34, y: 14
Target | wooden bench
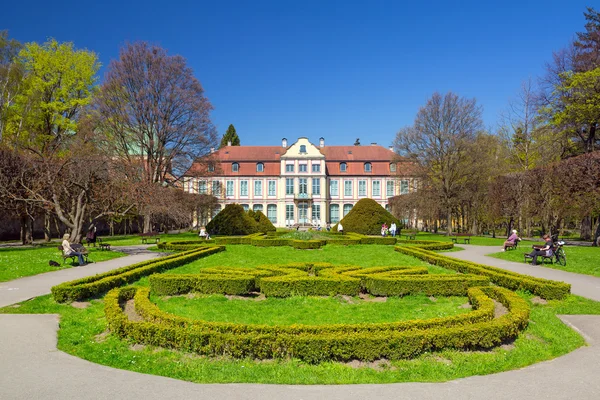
x: 103, y: 245
x: 465, y: 237
x: 410, y: 235
x: 150, y: 236
x: 78, y: 248
x: 543, y: 257
x: 511, y: 245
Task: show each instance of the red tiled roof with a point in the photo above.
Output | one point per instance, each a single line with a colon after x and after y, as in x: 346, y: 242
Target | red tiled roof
x: 249, y: 153
x: 357, y: 153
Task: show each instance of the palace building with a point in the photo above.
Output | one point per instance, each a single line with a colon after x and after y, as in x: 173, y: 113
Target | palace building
x: 301, y: 184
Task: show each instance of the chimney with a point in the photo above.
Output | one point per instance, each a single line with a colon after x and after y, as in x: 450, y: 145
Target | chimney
x: 357, y: 143
x: 229, y: 143
x: 373, y: 144
x: 392, y: 148
x: 212, y: 149
x: 284, y: 142
x: 321, y: 142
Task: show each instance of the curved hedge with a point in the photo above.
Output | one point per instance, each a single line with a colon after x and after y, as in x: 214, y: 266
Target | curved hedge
x: 322, y: 345
x: 319, y: 279
x: 99, y: 284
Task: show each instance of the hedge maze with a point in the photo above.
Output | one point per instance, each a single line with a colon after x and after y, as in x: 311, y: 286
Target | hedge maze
x: 481, y: 328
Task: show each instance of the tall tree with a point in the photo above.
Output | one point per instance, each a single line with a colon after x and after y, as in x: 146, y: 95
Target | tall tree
x: 439, y: 142
x: 230, y: 136
x: 11, y: 77
x: 58, y: 84
x: 155, y: 115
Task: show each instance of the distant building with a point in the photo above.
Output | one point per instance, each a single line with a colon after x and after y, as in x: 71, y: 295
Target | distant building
x: 299, y: 184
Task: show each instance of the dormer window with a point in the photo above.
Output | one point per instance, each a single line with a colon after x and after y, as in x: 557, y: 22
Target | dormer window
x: 393, y: 167
x: 235, y: 167
x: 211, y: 167
x: 260, y: 167
x: 343, y: 167
x: 302, y: 148
x: 367, y: 167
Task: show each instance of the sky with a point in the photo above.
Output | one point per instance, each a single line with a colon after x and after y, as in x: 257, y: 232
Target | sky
x: 335, y: 69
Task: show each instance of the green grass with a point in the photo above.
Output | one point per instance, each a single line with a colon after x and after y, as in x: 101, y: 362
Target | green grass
x: 26, y: 261
x: 310, y: 310
x: 131, y: 240
x: 581, y: 260
x: 545, y: 338
x: 476, y: 240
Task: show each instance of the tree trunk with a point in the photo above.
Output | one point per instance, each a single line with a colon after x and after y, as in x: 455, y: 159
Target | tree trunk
x: 449, y: 223
x: 147, y: 223
x: 586, y: 228
x: 47, y: 227
x: 26, y: 235
x: 597, y: 234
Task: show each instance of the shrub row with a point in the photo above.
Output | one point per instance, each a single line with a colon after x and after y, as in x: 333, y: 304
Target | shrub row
x: 185, y: 245
x: 99, y: 284
x: 483, y: 308
x: 544, y: 288
x: 317, y: 347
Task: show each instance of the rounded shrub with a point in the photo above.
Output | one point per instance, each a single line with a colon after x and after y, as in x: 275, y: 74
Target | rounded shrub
x: 264, y: 225
x: 232, y: 220
x: 366, y: 217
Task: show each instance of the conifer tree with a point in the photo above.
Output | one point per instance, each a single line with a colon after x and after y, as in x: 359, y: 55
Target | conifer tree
x: 230, y: 136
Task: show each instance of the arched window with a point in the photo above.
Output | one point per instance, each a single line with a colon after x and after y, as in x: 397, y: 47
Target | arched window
x: 272, y: 213
x: 216, y: 210
x: 347, y: 208
x: 245, y: 206
x: 334, y: 213
x: 235, y: 167
x: 257, y: 207
x: 392, y: 167
x: 260, y: 167
x: 302, y: 148
x: 343, y: 167
x: 367, y: 167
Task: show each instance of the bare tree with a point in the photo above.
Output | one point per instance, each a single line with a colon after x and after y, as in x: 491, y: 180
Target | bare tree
x: 155, y: 114
x: 439, y: 141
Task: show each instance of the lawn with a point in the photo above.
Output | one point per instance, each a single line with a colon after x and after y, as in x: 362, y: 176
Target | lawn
x: 83, y: 332
x: 580, y: 259
x: 476, y: 240
x: 18, y: 262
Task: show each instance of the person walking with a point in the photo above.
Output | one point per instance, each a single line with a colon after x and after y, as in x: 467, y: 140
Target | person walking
x: 393, y: 229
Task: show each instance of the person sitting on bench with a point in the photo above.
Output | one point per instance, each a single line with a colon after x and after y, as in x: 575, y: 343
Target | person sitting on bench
x: 512, y: 240
x: 68, y: 250
x: 543, y: 251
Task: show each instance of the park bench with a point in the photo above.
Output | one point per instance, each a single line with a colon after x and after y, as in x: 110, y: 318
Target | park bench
x: 542, y: 257
x: 410, y: 235
x: 78, y: 248
x: 465, y: 237
x: 511, y: 245
x: 150, y: 236
x: 103, y: 245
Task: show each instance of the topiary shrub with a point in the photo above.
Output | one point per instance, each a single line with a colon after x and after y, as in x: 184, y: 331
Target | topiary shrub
x: 366, y: 217
x: 264, y: 225
x: 232, y: 220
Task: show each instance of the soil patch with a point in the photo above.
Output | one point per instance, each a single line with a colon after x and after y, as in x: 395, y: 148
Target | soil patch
x: 81, y: 304
x: 346, y: 299
x: 137, y: 347
x: 254, y: 296
x: 377, y: 365
x: 432, y: 299
x: 538, y: 300
x: 466, y: 305
x: 499, y: 309
x: 129, y: 310
x: 101, y: 337
x: 507, y: 346
x: 442, y: 360
x: 372, y: 299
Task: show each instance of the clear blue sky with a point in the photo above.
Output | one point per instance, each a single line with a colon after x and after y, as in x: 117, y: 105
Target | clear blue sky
x: 338, y: 69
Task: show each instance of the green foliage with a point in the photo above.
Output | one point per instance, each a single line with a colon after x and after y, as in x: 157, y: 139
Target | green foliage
x: 366, y: 217
x: 230, y: 136
x: 264, y: 224
x: 232, y: 221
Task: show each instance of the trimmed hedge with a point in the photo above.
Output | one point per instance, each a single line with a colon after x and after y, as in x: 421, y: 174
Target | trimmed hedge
x: 325, y: 345
x: 544, y: 288
x: 99, y: 284
x: 232, y: 220
x: 367, y: 217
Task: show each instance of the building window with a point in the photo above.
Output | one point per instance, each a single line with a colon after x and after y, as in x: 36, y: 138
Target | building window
x: 243, y: 188
x: 303, y: 187
x: 376, y: 188
x: 235, y: 167
x: 343, y: 167
x: 316, y: 212
x: 302, y: 148
x: 316, y: 168
x: 362, y: 188
x: 390, y: 188
x: 334, y: 213
x: 289, y: 213
x: 403, y: 186
x: 333, y: 188
x: 367, y: 167
x: 289, y: 167
x: 260, y: 167
x: 347, y: 208
x: 229, y: 189
x: 272, y: 213
x: 258, y: 188
x: 202, y: 187
x: 316, y: 186
x: 216, y: 210
x: 245, y: 206
x: 257, y: 207
x: 392, y: 167
x: 302, y: 167
x: 347, y: 188
x: 289, y: 186
x: 272, y: 191
x: 216, y: 188
x: 211, y: 167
